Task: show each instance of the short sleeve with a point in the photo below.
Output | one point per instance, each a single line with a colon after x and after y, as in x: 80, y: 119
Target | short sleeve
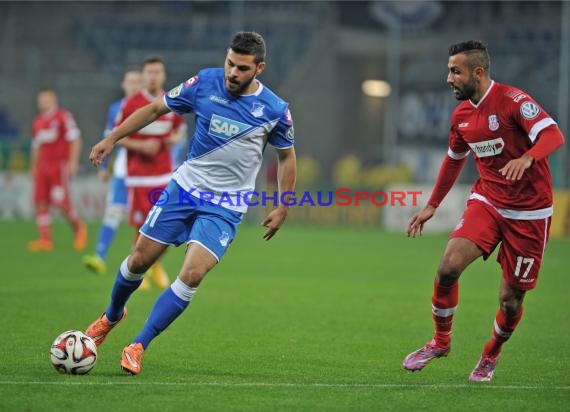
x: 71, y: 131
x: 182, y: 98
x: 283, y: 134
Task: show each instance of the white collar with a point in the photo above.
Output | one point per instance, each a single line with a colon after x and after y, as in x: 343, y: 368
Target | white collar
x: 484, y: 96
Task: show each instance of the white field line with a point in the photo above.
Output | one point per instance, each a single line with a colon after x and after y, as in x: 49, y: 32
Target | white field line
x: 294, y: 385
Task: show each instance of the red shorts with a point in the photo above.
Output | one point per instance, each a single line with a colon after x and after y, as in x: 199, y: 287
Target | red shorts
x: 140, y: 203
x: 522, y: 241
x: 51, y: 184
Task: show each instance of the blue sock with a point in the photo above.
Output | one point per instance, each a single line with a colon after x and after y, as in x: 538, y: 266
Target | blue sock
x: 106, y: 235
x: 125, y: 284
x: 169, y: 305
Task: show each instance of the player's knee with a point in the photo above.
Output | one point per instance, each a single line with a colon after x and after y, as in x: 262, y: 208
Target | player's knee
x: 193, y: 276
x: 449, y: 270
x: 138, y: 262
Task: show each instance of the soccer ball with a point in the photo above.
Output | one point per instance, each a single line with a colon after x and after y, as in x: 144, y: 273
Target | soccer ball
x: 73, y: 352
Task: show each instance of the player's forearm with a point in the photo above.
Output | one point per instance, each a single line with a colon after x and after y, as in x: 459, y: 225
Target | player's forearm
x: 548, y: 141
x: 131, y: 144
x: 286, y: 173
x: 448, y: 174
x: 136, y: 121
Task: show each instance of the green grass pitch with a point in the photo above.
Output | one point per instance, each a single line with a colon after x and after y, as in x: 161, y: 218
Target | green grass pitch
x: 315, y: 319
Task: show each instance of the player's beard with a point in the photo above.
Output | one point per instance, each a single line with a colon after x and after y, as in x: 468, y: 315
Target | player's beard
x: 240, y: 86
x: 465, y: 92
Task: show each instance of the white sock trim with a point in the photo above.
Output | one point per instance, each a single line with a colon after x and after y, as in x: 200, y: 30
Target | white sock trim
x: 182, y: 290
x: 443, y: 312
x: 127, y: 274
x: 113, y: 216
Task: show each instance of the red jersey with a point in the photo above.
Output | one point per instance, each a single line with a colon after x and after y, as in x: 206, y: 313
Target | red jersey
x: 51, y: 134
x: 154, y: 170
x: 501, y: 127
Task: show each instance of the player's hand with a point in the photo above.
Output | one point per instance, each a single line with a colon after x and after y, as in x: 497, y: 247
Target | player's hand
x: 515, y: 168
x: 103, y: 175
x: 100, y: 151
x: 417, y: 221
x: 150, y: 147
x: 273, y: 221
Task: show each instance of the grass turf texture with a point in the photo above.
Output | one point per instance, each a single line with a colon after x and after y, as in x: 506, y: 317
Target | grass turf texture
x: 316, y: 319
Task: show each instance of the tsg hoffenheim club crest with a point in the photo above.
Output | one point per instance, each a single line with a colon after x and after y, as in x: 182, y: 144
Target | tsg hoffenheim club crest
x: 224, y: 238
x: 493, y: 122
x: 257, y: 110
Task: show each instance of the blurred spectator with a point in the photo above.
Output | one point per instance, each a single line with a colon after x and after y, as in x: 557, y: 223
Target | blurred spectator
x: 347, y: 171
x: 308, y: 171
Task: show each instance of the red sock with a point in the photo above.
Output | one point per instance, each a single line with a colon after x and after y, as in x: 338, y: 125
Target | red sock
x: 443, y: 306
x: 502, y: 331
x: 43, y: 221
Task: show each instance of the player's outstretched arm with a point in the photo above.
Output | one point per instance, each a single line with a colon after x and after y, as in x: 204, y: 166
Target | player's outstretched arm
x: 448, y: 174
x: 286, y: 176
x: 139, y: 119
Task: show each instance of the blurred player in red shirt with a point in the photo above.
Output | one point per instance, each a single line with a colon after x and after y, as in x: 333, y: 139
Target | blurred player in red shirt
x: 510, y: 137
x: 149, y: 163
x: 56, y: 146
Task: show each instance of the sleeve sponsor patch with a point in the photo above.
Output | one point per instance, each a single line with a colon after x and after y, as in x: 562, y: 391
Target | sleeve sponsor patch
x: 175, y: 92
x: 191, y: 81
x: 529, y: 110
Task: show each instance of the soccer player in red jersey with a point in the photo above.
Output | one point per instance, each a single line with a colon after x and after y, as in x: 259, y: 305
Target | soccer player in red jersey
x: 149, y: 163
x: 56, y: 145
x: 510, y: 137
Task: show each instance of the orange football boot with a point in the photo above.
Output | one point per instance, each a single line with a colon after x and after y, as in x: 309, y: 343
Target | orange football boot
x: 131, y: 358
x: 99, y: 329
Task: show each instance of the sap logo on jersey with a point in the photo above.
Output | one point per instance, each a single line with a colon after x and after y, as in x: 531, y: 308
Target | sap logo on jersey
x: 225, y: 128
x: 488, y: 147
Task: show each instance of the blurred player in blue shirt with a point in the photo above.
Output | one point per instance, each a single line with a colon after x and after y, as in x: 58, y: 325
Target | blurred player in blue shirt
x: 236, y: 116
x: 116, y: 207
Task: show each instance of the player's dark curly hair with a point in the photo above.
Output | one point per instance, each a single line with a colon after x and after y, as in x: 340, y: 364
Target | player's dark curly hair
x: 476, y: 52
x: 250, y: 43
